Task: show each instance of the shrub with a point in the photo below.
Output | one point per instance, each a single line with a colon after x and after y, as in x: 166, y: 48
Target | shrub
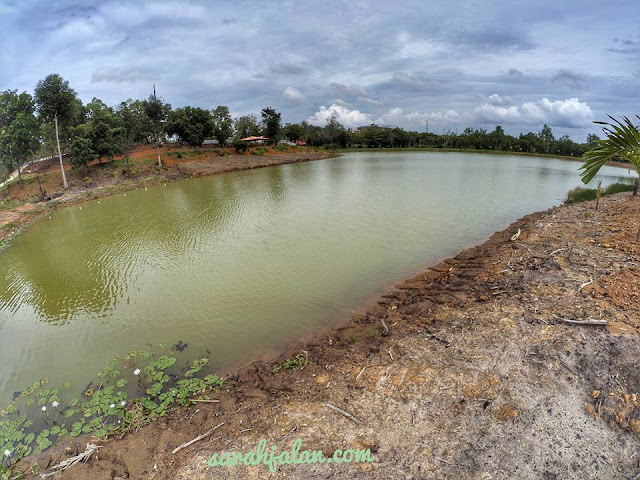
x: 281, y: 148
x: 179, y: 155
x: 259, y: 151
x: 584, y: 194
x: 580, y: 194
x: 240, y: 146
x: 618, y: 187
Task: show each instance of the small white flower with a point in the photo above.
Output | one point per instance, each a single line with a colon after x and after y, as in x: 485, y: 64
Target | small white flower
x: 7, y: 453
x: 136, y: 371
x: 44, y: 408
x: 55, y: 404
x: 123, y: 403
x: 113, y: 405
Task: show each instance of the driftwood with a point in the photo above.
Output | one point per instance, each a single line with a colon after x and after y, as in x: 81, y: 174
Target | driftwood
x: 384, y: 325
x: 346, y: 414
x: 516, y: 236
x: 69, y: 462
x: 205, y: 401
x: 197, y: 439
x: 360, y: 373
x: 588, y: 321
x: 585, y: 284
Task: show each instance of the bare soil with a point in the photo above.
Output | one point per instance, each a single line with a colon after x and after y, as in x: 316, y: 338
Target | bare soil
x: 477, y: 377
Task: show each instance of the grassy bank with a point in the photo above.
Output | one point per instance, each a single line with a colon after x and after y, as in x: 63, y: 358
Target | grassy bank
x: 580, y: 194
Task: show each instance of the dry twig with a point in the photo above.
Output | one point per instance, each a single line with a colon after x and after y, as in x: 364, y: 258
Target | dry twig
x: 69, y: 462
x: 197, y: 439
x: 346, y: 414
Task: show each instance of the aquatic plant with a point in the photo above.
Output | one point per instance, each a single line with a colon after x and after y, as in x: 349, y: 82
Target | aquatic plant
x: 129, y: 392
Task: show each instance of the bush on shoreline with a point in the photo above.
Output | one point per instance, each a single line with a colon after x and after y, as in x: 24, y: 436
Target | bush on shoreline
x: 580, y: 194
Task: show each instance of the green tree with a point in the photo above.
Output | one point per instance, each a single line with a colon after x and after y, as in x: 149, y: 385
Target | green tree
x: 82, y: 152
x: 622, y: 142
x: 293, y: 132
x: 222, y: 124
x: 57, y: 102
x: 157, y: 112
x: 105, y: 129
x: 191, y: 124
x: 135, y: 124
x: 546, y: 137
x: 592, y: 140
x: 271, y: 124
x: 19, y: 129
x: 246, y: 126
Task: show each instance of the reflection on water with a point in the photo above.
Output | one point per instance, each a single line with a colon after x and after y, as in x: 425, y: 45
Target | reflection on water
x: 247, y: 261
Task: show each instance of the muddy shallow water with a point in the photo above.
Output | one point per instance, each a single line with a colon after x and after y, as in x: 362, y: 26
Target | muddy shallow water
x: 238, y: 264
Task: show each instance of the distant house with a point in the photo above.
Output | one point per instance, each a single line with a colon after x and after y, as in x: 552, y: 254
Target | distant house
x: 211, y: 141
x: 255, y: 140
x: 287, y: 142
x: 301, y: 143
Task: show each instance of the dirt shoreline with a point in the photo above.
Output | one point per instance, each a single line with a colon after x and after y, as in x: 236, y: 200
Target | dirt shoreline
x: 465, y: 371
x: 14, y: 220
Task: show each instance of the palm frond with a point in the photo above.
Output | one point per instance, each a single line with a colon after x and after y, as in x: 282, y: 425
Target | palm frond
x: 623, y: 141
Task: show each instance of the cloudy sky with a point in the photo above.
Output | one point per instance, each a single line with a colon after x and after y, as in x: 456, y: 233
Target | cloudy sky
x: 449, y: 63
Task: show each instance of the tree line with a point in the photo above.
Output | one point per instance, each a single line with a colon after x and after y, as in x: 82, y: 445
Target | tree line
x: 54, y: 121
x: 334, y: 135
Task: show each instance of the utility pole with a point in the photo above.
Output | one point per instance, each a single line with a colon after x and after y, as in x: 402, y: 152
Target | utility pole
x: 427, y: 126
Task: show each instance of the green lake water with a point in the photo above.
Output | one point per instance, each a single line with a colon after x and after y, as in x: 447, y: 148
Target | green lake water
x: 244, y: 263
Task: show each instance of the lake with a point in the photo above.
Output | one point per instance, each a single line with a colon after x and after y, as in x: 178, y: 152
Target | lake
x: 242, y: 264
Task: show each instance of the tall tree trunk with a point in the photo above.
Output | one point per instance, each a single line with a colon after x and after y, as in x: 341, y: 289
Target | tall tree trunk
x: 158, y: 149
x: 635, y: 187
x: 64, y: 176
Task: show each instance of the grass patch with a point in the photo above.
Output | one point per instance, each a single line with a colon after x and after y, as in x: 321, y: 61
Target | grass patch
x: 8, y: 204
x: 580, y: 194
x: 297, y: 363
x: 618, y: 188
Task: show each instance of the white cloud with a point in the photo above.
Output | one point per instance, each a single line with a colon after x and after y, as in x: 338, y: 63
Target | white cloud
x: 498, y: 114
x: 346, y: 116
x: 496, y: 99
x: 293, y: 95
x: 564, y: 113
x: 571, y: 113
x: 396, y: 116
